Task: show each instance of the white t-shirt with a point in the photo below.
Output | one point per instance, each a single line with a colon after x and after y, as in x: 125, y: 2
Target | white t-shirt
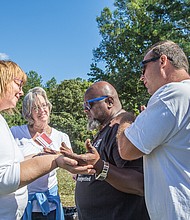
x: 28, y: 146
x: 12, y: 200
x: 162, y: 132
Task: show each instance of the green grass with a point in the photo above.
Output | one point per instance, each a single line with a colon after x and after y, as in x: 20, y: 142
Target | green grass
x: 66, y: 187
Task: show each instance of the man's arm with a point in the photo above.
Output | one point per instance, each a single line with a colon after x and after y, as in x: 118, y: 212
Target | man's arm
x: 126, y: 149
x: 38, y: 166
x: 126, y: 180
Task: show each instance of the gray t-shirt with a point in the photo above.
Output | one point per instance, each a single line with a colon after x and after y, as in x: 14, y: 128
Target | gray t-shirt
x: 162, y: 132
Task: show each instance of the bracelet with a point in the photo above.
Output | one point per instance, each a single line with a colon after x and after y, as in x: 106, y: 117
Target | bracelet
x: 102, y: 176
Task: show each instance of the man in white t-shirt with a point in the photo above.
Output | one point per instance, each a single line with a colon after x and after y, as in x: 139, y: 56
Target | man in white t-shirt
x: 161, y: 133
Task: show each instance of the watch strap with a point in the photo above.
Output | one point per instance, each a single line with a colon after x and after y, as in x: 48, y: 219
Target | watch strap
x: 102, y: 176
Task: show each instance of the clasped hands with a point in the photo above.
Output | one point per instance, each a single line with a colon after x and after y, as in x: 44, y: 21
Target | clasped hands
x: 88, y: 163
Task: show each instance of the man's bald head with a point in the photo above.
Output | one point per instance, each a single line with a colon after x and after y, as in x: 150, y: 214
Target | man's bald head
x: 103, y: 88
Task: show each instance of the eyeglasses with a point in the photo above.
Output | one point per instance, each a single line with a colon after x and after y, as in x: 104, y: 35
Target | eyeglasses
x: 87, y: 105
x: 38, y: 107
x: 19, y: 82
x: 144, y: 62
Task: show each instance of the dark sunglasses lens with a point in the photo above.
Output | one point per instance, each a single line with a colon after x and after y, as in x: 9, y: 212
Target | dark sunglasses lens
x: 86, y: 106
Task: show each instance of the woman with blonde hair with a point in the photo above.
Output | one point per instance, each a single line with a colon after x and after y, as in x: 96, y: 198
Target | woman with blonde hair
x: 15, y: 172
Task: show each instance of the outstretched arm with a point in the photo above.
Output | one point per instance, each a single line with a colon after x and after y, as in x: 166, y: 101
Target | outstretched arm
x: 38, y: 166
x: 124, y: 179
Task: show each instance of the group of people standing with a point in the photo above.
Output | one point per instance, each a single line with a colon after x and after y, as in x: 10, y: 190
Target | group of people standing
x: 135, y: 168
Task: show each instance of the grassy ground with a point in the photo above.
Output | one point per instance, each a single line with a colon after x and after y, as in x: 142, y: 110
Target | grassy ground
x: 66, y: 187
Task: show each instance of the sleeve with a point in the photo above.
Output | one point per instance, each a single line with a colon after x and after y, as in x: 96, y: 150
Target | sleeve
x: 13, y: 131
x: 20, y: 131
x: 10, y: 161
x: 116, y: 159
x: 58, y: 137
x: 153, y: 127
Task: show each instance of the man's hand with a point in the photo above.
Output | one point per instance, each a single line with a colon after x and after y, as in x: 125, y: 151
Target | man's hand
x: 67, y: 152
x: 73, y: 167
x: 91, y: 157
x: 75, y: 163
x: 64, y: 148
x: 50, y: 151
x: 142, y: 108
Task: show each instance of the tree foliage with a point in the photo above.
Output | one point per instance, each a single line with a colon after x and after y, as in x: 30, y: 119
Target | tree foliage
x: 67, y: 107
x: 67, y: 113
x: 126, y: 34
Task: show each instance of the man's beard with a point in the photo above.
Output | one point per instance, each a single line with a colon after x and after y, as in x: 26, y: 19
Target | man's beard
x: 93, y: 124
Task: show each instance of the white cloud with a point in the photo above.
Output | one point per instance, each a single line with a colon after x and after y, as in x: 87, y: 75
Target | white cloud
x: 4, y: 56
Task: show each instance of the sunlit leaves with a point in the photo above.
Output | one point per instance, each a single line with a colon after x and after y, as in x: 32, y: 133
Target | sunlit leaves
x: 127, y: 32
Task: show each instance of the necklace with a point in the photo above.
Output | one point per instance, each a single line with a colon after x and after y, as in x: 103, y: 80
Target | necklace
x: 33, y: 130
x: 107, y: 123
x: 111, y: 118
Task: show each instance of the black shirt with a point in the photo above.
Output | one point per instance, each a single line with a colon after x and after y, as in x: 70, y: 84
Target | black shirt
x: 98, y: 200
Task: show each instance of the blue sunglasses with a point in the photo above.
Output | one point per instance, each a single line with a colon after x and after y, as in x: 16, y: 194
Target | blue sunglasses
x: 87, y: 105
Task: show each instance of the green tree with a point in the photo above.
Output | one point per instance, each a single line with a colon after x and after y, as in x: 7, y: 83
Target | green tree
x: 67, y: 113
x: 51, y: 87
x: 126, y: 34
x: 33, y: 80
x: 51, y: 84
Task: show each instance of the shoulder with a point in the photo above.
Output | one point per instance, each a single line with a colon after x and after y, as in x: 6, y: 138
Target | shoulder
x: 19, y: 131
x: 18, y: 128
x: 123, y: 117
x: 171, y: 92
x: 59, y: 133
x: 174, y: 88
x: 2, y: 120
x: 61, y: 136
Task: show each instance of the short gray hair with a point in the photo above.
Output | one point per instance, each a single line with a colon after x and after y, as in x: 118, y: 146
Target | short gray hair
x: 30, y: 99
x: 172, y: 50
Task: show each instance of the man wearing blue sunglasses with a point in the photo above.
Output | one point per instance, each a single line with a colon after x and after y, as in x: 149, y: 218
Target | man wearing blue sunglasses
x: 116, y: 191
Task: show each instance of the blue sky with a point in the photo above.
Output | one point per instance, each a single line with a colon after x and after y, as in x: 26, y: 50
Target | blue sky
x: 55, y: 38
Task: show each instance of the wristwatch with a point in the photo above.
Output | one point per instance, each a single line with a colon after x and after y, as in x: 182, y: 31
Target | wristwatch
x: 102, y: 176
